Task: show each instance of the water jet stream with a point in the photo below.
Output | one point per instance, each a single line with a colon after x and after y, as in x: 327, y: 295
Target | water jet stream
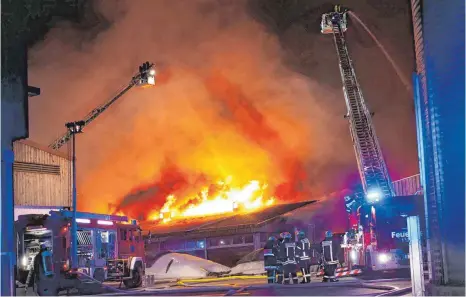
x: 403, y: 79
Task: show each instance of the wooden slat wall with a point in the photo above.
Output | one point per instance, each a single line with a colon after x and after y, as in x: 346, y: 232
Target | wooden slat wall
x: 42, y: 186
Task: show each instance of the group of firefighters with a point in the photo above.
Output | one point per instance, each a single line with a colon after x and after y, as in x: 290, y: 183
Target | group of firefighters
x: 283, y: 258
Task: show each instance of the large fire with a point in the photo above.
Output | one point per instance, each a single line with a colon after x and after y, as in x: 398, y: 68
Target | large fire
x: 225, y: 176
x: 221, y: 198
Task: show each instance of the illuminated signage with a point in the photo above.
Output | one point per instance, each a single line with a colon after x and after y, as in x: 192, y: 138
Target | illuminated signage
x: 402, y: 235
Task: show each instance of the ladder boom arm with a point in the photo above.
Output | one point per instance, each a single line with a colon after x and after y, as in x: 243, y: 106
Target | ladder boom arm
x: 371, y: 164
x: 138, y: 79
x: 59, y: 142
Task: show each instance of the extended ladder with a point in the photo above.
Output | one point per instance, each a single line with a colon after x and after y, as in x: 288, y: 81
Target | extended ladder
x: 372, y: 168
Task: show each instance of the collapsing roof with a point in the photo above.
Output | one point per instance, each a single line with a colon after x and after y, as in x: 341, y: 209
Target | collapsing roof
x: 223, y: 224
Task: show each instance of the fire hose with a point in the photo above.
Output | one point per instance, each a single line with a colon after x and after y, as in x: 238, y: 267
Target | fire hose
x: 232, y: 290
x: 145, y: 292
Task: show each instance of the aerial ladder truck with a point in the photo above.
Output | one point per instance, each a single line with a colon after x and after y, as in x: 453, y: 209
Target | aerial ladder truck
x: 369, y: 246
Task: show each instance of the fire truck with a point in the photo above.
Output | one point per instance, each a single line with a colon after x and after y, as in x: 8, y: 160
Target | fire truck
x: 378, y: 214
x: 110, y: 248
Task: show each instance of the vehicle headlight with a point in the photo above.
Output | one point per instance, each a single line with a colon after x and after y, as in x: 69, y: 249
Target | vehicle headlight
x: 24, y: 261
x: 353, y: 255
x: 383, y: 258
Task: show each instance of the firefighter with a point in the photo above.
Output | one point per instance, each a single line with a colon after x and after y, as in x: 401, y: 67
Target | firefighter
x: 303, y: 252
x: 270, y: 259
x: 288, y: 255
x: 329, y: 257
x: 278, y: 246
x: 43, y: 272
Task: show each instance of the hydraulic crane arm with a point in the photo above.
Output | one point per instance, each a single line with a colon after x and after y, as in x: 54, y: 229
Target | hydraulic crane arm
x: 145, y: 76
x: 372, y: 168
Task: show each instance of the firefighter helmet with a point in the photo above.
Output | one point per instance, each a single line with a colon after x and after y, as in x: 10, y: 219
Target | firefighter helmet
x: 301, y: 235
x: 328, y: 234
x: 45, y: 245
x: 272, y: 238
x: 287, y: 235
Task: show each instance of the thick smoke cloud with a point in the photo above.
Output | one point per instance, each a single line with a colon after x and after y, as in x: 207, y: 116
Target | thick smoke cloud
x: 187, y: 127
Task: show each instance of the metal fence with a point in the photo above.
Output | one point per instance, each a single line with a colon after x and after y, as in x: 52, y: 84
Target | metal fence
x: 408, y: 186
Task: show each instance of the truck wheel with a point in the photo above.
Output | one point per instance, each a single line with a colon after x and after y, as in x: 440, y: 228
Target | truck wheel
x: 99, y: 274
x: 136, y: 280
x: 51, y: 291
x: 22, y: 276
x: 368, y: 263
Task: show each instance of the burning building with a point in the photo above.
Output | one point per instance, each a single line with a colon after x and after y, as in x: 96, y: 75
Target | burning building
x: 213, y: 238
x: 227, y: 238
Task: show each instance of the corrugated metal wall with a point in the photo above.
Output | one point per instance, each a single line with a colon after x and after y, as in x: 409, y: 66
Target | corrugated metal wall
x: 41, y: 177
x: 439, y: 31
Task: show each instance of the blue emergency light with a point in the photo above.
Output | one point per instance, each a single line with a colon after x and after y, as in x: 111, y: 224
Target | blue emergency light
x: 94, y: 216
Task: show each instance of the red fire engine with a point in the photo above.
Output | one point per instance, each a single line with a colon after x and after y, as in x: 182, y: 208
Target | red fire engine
x: 110, y: 248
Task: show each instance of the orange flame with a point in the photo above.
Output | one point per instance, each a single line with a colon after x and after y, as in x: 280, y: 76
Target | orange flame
x: 227, y: 200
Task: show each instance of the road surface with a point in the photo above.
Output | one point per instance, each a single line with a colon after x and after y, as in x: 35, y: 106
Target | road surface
x: 247, y: 286
x: 257, y: 287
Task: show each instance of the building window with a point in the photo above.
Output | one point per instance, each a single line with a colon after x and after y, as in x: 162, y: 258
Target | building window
x: 213, y: 242
x: 248, y: 238
x: 238, y: 239
x: 123, y: 235
x: 190, y: 244
x: 173, y: 245
x: 264, y: 237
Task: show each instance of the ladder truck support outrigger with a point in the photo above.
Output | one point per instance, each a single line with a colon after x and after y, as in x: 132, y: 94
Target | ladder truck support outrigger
x: 362, y: 249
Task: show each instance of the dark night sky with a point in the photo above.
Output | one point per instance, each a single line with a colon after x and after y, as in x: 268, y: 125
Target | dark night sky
x: 295, y: 24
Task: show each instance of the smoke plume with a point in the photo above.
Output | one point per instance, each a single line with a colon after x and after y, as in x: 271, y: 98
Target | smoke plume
x: 225, y: 105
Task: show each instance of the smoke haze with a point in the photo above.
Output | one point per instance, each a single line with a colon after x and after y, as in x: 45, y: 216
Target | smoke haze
x: 227, y: 104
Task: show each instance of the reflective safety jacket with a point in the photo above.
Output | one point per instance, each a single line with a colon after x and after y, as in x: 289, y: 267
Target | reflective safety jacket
x: 287, y: 253
x: 270, y: 255
x: 278, y: 246
x: 303, y: 250
x: 329, y: 252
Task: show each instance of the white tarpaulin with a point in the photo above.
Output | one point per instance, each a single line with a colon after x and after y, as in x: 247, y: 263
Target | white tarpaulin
x: 248, y: 268
x: 182, y: 266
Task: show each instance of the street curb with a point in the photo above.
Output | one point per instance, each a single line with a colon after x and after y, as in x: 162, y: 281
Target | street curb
x: 386, y: 280
x: 398, y: 292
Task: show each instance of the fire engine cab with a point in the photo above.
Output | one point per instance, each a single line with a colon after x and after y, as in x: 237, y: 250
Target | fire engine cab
x: 110, y: 248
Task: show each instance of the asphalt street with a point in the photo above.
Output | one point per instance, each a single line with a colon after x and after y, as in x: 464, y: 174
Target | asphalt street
x: 257, y: 287
x: 246, y: 286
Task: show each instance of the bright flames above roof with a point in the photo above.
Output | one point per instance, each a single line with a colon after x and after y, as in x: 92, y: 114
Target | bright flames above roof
x: 226, y: 199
